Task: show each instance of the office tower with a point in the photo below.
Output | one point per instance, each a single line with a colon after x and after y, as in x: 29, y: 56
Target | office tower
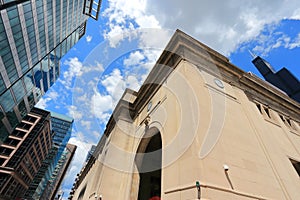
x: 23, y: 152
x: 4, y: 4
x: 90, y: 153
x: 34, y: 35
x: 49, y: 173
x: 283, y: 79
x: 59, y: 172
x: 198, y: 128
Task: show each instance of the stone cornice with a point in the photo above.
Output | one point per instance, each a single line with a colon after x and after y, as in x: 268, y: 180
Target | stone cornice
x: 184, y: 47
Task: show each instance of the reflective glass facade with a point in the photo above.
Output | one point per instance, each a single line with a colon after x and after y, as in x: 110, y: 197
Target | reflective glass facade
x: 61, y: 127
x: 34, y: 35
x: 22, y: 153
x: 59, y: 172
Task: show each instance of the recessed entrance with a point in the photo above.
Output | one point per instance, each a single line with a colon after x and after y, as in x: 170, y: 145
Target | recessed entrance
x: 150, y: 170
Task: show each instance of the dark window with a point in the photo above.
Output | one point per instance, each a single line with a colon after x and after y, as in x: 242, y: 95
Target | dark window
x: 296, y: 165
x: 18, y: 133
x: 259, y: 108
x: 24, y: 126
x: 5, y: 151
x: 289, y: 122
x: 2, y: 160
x: 30, y: 119
x: 282, y: 118
x: 267, y: 112
x: 11, y: 142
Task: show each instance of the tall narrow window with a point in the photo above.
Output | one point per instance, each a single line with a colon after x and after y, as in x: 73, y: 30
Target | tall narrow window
x: 267, y: 112
x: 296, y: 165
x: 259, y: 108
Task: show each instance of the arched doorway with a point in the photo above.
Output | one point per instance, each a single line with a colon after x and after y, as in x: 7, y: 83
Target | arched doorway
x: 149, y: 167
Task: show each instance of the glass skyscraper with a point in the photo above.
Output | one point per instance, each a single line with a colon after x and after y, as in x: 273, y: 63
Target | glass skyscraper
x: 34, y: 35
x: 23, y: 152
x: 61, y: 127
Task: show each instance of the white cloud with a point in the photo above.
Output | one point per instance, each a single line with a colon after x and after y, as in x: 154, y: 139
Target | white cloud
x: 120, y: 12
x: 134, y: 58
x: 88, y: 38
x: 86, y: 124
x: 101, y: 106
x: 295, y: 43
x: 74, y: 69
x: 133, y: 83
x: 42, y: 103
x: 96, y: 134
x: 74, y: 112
x: 154, y: 38
x: 296, y: 14
x: 223, y: 25
x: 114, y: 84
x: 52, y: 94
x: 272, y: 39
x: 115, y: 35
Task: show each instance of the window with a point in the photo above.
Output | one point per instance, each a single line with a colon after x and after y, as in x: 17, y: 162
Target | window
x: 267, y: 112
x: 259, y: 108
x: 264, y: 110
x: 2, y: 160
x: 296, y: 165
x: 30, y: 119
x: 18, y: 90
x: 288, y: 122
x: 5, y: 151
x: 11, y: 142
x: 7, y: 101
x: 25, y: 126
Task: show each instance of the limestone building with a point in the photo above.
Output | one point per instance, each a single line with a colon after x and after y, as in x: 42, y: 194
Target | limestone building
x: 198, y: 128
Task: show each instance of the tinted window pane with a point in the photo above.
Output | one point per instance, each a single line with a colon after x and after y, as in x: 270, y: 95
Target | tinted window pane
x: 18, y: 90
x: 7, y: 101
x: 28, y: 80
x: 22, y: 108
x: 12, y: 118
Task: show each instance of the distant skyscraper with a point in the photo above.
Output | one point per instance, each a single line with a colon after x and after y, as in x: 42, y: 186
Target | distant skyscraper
x: 90, y: 153
x: 51, y: 169
x: 34, y: 35
x: 59, y: 173
x: 283, y: 79
x: 23, y: 152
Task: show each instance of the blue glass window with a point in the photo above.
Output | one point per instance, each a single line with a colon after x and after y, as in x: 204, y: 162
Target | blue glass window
x: 28, y: 80
x: 31, y: 100
x: 3, y: 132
x: 19, y: 90
x: 2, y: 85
x: 22, y: 109
x: 7, y: 101
x: 37, y: 75
x: 12, y: 118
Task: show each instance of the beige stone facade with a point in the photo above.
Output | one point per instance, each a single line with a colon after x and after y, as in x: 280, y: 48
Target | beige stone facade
x: 197, y: 118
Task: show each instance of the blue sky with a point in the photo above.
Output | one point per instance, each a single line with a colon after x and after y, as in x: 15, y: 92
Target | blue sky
x: 120, y: 48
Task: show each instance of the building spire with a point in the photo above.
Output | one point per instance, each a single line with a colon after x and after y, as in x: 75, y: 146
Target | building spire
x: 252, y: 54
